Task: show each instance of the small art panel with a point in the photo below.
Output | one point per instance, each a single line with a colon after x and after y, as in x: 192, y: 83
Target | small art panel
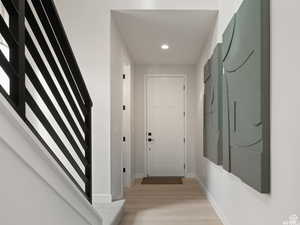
x: 213, y: 107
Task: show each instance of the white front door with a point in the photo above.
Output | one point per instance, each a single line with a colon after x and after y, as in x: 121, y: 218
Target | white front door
x: 165, y: 125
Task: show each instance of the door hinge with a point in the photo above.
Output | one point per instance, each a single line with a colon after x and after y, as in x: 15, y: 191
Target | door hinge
x: 124, y: 139
x: 184, y: 87
x: 124, y: 107
x: 184, y: 140
x: 184, y: 114
x: 124, y: 170
x: 184, y: 166
x: 124, y: 76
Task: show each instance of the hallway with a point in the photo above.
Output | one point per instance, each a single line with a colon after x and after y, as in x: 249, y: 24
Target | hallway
x: 168, y: 205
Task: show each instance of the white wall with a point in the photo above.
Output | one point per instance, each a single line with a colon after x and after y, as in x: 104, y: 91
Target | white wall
x: 237, y: 202
x: 88, y: 27
x: 119, y: 60
x: 35, y: 190
x: 139, y: 102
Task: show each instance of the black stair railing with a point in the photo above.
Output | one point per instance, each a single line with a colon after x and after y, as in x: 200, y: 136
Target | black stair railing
x: 45, y: 85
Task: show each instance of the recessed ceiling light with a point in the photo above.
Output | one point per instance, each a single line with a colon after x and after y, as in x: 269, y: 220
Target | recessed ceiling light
x: 164, y: 46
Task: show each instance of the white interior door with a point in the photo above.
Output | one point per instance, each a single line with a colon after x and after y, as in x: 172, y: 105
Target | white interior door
x: 166, y: 125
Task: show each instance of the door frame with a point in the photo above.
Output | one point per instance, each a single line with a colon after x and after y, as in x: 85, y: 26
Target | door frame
x: 146, y: 157
x: 127, y: 145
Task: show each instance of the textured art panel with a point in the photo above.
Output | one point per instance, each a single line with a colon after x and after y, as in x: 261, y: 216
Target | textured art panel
x: 246, y: 75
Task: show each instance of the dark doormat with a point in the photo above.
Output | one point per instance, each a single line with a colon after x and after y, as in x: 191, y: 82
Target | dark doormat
x: 162, y: 180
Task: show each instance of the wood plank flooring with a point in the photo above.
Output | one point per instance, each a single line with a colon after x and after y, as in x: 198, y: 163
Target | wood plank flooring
x: 184, y: 204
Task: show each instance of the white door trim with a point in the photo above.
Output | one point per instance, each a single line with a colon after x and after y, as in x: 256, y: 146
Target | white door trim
x: 146, y: 158
x: 127, y: 128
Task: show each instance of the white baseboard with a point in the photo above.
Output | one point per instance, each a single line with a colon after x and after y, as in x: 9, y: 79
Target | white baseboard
x: 112, y: 213
x: 139, y: 175
x: 214, y: 203
x: 118, y: 218
x: 190, y: 175
x: 142, y: 175
x: 102, y: 198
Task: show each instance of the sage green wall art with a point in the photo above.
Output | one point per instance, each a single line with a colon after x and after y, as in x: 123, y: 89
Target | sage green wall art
x: 246, y: 133
x: 213, y: 107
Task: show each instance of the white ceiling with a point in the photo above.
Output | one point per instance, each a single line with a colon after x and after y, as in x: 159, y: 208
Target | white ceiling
x: 144, y: 31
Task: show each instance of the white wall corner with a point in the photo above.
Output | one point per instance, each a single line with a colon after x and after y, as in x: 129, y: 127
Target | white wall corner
x: 213, y: 203
x: 101, y: 198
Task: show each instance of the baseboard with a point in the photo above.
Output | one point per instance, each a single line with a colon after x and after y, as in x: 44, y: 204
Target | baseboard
x: 142, y: 175
x: 214, y: 203
x: 190, y: 175
x: 119, y: 216
x: 112, y: 213
x: 102, y: 198
x: 139, y: 175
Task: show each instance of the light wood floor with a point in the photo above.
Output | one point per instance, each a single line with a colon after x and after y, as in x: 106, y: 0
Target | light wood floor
x: 168, y: 205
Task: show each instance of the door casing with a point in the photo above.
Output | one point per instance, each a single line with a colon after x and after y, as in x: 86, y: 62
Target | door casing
x: 126, y: 129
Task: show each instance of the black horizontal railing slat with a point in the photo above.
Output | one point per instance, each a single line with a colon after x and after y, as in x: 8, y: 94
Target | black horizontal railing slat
x: 53, y: 155
x: 51, y: 53
x: 57, y: 49
x: 10, y: 6
x: 7, y: 67
x: 88, y: 154
x: 6, y: 33
x: 39, y: 87
x: 66, y: 47
x: 48, y: 54
x: 44, y: 71
x: 47, y: 125
x: 16, y: 54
